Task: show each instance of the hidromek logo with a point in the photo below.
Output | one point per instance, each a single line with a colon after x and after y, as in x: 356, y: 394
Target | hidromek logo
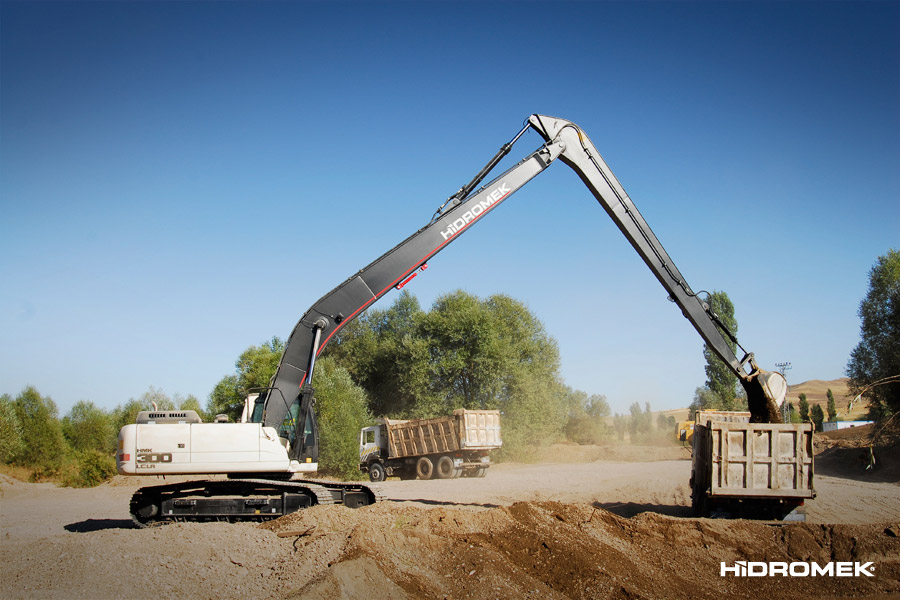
x: 743, y: 568
x: 470, y: 215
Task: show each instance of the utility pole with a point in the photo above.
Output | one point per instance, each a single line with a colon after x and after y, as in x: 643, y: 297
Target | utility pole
x: 785, y: 406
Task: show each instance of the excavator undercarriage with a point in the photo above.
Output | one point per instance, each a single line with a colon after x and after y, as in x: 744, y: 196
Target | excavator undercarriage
x: 242, y: 499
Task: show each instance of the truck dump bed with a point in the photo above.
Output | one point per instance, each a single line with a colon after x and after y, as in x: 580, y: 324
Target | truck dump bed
x: 742, y: 459
x: 464, y: 430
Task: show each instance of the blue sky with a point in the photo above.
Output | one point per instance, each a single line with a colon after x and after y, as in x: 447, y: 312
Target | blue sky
x: 180, y: 180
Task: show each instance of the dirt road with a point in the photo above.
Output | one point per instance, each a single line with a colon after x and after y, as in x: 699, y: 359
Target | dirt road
x: 599, y: 529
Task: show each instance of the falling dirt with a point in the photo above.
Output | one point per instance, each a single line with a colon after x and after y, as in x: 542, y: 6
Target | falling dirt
x: 605, y: 527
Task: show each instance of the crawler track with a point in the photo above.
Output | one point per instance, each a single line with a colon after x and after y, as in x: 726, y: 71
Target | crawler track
x: 242, y: 499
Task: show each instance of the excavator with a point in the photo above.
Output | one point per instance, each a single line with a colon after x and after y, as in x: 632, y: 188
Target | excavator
x: 275, y: 445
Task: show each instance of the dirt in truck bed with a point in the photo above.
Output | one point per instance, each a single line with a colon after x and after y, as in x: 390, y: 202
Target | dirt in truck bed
x: 611, y: 523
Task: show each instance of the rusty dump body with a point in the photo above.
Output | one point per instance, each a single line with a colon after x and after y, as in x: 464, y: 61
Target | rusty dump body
x: 463, y: 430
x: 750, y: 469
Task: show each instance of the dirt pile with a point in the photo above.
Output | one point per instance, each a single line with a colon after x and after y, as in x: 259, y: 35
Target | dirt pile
x: 867, y: 453
x: 558, y: 550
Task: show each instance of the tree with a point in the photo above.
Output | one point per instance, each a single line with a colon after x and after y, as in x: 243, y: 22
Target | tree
x: 342, y: 411
x: 640, y: 422
x: 877, y: 356
x: 254, y: 368
x: 793, y: 415
x: 43, y: 444
x: 720, y: 379
x: 127, y: 413
x: 10, y: 431
x: 803, y: 406
x: 832, y: 410
x: 465, y: 352
x: 385, y: 353
x: 664, y: 423
x: 87, y: 427
x: 585, y: 422
x: 704, y: 399
x: 191, y: 403
x: 817, y: 416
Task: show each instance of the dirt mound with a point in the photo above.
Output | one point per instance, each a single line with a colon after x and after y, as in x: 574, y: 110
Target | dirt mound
x: 559, y: 550
x: 851, y: 436
x: 865, y: 453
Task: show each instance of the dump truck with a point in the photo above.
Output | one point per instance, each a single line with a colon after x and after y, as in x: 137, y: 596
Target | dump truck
x: 751, y: 470
x: 458, y: 445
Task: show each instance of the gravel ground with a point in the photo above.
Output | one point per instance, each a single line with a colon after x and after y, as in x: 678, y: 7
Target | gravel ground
x: 613, y: 526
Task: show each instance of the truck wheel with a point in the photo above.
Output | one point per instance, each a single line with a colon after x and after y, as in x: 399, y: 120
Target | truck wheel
x: 376, y: 472
x: 445, y: 468
x: 480, y: 472
x: 424, y: 468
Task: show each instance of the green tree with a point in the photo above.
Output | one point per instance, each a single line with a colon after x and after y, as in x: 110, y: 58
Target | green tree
x: 126, y: 414
x: 10, y: 431
x: 832, y: 409
x: 464, y: 353
x: 191, y: 403
x: 254, y: 368
x: 794, y: 416
x: 817, y: 415
x: 586, y: 423
x: 720, y: 379
x: 704, y: 399
x: 342, y: 411
x: 386, y: 354
x: 87, y: 427
x: 877, y: 356
x: 803, y: 406
x: 43, y: 444
x: 528, y: 386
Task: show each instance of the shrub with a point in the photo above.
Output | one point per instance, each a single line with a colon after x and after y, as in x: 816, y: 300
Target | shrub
x: 90, y: 468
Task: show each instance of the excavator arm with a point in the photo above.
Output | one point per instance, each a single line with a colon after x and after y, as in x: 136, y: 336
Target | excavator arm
x: 288, y: 401
x: 765, y: 390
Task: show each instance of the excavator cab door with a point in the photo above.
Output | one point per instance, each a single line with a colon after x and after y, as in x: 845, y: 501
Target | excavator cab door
x: 304, y: 436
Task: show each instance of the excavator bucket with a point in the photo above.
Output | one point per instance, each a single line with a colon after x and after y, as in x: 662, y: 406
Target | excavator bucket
x: 765, y: 395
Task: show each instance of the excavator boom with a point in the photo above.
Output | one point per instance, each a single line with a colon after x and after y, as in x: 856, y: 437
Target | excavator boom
x: 291, y: 396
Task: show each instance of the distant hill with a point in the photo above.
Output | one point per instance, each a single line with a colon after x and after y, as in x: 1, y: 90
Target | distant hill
x: 816, y: 390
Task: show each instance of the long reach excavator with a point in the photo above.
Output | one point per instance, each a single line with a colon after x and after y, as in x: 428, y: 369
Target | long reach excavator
x: 275, y: 445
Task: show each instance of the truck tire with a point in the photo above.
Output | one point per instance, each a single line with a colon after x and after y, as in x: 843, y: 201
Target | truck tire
x: 445, y: 468
x: 424, y: 468
x: 376, y: 472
